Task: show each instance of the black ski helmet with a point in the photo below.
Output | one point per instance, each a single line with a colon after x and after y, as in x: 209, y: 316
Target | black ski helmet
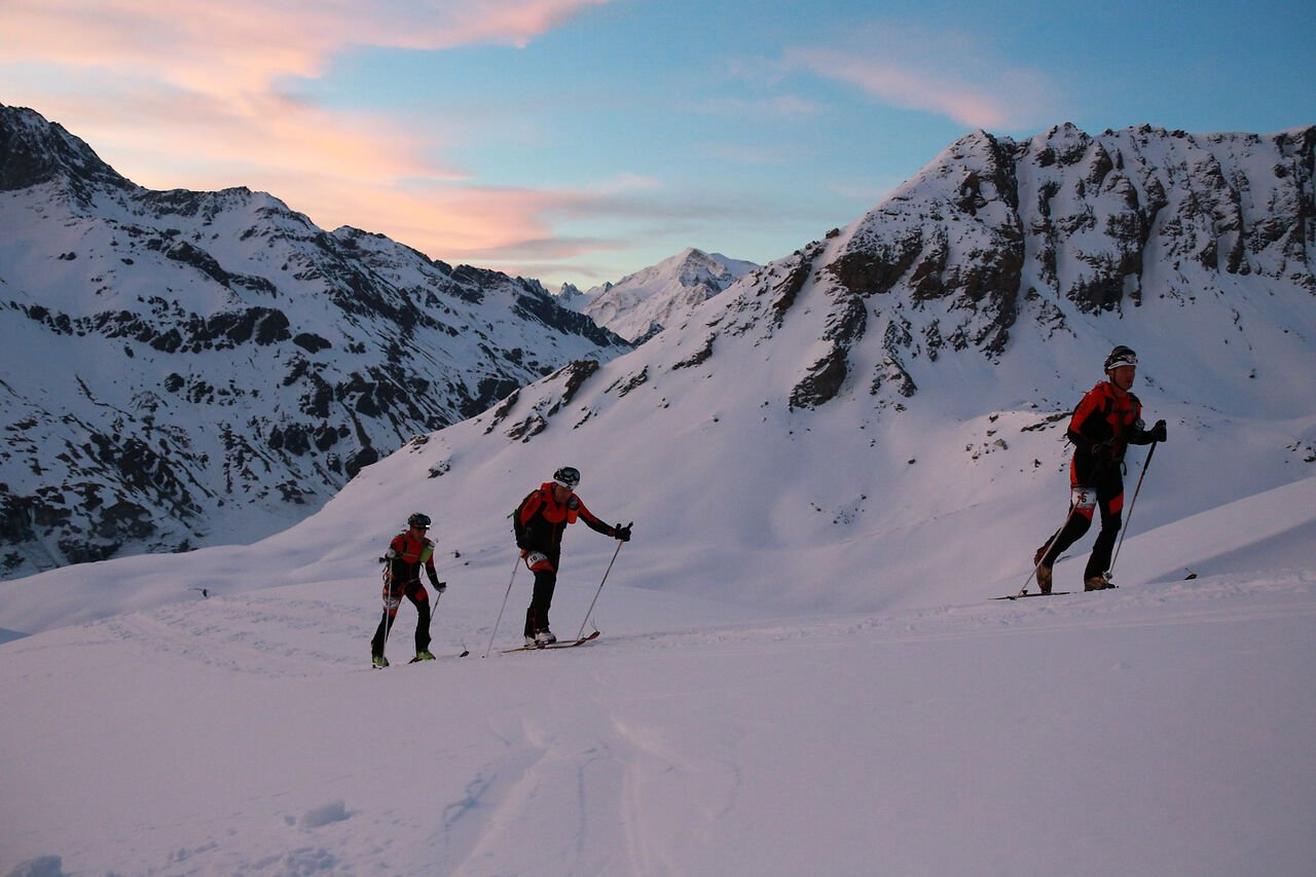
x: 1121, y: 355
x: 419, y: 520
x: 568, y: 477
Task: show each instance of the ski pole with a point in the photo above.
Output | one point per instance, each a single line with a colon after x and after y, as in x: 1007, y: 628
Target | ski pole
x: 385, y: 597
x: 590, y: 611
x: 515, y: 567
x: 1024, y: 589
x: 1145, y: 463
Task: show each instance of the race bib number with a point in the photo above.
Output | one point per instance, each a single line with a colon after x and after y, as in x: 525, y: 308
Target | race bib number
x: 1083, y: 497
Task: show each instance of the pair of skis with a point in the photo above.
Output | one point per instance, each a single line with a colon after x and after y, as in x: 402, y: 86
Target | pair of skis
x: 569, y: 644
x: 1025, y: 593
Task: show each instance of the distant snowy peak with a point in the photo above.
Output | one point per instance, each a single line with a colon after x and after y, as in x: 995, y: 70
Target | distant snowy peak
x: 569, y: 296
x: 648, y: 301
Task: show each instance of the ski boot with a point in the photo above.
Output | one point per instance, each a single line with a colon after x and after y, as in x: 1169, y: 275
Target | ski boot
x: 378, y: 662
x: 1043, y: 571
x: 1097, y: 583
x: 544, y: 637
x: 423, y: 655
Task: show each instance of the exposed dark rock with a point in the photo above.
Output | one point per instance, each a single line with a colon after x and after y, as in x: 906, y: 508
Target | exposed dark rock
x: 699, y: 357
x: 630, y: 382
x: 310, y: 342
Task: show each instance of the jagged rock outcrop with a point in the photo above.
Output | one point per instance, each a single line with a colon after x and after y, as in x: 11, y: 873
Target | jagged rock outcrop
x: 1061, y: 225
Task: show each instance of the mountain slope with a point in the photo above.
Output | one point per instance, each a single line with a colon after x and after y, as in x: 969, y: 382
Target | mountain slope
x: 642, y: 304
x: 833, y: 446
x: 186, y: 368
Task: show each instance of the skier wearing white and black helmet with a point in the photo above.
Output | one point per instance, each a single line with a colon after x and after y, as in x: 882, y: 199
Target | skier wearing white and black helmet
x: 1105, y: 423
x: 407, y: 553
x: 538, y: 523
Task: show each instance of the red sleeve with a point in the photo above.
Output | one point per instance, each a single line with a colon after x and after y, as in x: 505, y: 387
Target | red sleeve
x: 592, y: 521
x: 585, y: 513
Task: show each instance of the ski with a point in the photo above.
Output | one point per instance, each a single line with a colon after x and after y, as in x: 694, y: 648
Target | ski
x: 1031, y: 594
x: 464, y: 653
x: 569, y: 644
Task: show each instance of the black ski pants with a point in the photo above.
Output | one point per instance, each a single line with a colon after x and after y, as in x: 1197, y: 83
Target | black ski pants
x: 545, y: 570
x: 393, y: 594
x: 1108, y: 481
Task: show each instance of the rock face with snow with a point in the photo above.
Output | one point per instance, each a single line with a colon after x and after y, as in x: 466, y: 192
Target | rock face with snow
x: 995, y: 232
x: 642, y: 304
x: 181, y: 368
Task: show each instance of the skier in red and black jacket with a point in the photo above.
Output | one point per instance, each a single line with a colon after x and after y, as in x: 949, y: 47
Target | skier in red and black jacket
x: 407, y: 553
x: 538, y: 523
x: 1105, y: 423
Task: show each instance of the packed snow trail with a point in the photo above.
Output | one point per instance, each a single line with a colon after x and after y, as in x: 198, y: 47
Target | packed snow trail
x: 1148, y: 730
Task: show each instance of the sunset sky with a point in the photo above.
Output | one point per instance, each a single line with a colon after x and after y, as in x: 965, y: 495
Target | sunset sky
x: 580, y: 140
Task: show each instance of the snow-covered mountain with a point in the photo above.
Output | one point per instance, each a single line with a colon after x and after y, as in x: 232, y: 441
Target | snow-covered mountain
x: 642, y: 304
x: 184, y: 368
x: 887, y: 404
x: 570, y: 297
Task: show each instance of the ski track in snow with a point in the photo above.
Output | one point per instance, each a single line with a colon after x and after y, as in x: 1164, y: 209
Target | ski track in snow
x: 588, y: 779
x: 255, y: 634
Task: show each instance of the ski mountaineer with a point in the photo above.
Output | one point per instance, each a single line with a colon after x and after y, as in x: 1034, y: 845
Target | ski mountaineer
x: 408, y: 551
x: 1105, y: 423
x: 538, y: 523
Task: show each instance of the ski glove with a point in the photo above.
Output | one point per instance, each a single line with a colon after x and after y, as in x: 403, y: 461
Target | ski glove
x: 1103, y: 451
x: 438, y: 586
x: 622, y: 533
x: 1157, y: 432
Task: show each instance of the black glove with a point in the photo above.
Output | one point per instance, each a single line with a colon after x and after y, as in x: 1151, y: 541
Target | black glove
x: 622, y: 533
x: 439, y: 587
x: 1157, y: 432
x: 1103, y: 451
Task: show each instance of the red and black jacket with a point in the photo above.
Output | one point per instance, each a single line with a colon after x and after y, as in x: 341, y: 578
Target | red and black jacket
x: 540, y: 520
x: 407, y: 554
x: 1104, y: 424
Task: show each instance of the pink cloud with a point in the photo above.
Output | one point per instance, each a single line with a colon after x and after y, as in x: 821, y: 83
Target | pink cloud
x: 943, y: 72
x: 908, y: 88
x: 191, y: 97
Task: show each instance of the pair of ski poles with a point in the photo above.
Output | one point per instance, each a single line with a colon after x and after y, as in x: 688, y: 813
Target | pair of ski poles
x: 588, y: 612
x: 1110, y: 573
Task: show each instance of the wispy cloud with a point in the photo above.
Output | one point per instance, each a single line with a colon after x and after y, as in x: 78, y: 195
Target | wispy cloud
x: 783, y: 105
x: 197, y: 95
x: 941, y: 72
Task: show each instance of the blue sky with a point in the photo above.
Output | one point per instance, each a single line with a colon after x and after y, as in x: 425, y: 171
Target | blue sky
x: 580, y: 140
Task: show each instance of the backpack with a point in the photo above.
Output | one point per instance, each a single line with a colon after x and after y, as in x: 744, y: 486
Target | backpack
x: 519, y: 530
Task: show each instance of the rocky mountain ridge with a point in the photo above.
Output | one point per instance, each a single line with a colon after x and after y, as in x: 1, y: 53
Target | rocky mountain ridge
x: 183, y: 367
x: 1059, y: 227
